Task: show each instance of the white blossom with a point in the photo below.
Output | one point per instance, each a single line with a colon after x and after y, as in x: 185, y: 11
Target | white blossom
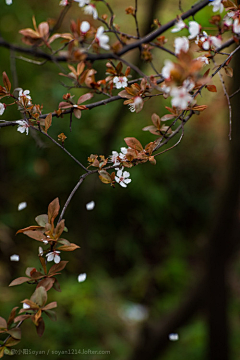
x: 173, y: 337
x: 23, y: 126
x: 90, y: 205
x: 236, y: 26
x: 181, y: 44
x: 91, y: 10
x: 40, y: 251
x: 9, y: 2
x: 63, y: 2
x: 217, y: 5
x: 85, y: 26
x: 2, y: 108
x: 82, y: 277
x: 179, y: 25
x: 26, y: 94
x: 26, y: 306
x: 136, y: 105
x: 114, y: 158
x: 120, y: 81
x: 45, y: 242
x: 166, y: 70
x: 14, y: 257
x: 209, y: 41
x: 22, y: 205
x: 180, y: 97
x: 194, y: 29
x: 53, y: 256
x: 122, y: 178
x: 203, y: 59
x: 82, y: 3
x: 102, y: 39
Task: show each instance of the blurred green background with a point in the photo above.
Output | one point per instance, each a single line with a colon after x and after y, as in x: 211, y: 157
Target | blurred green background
x: 142, y: 248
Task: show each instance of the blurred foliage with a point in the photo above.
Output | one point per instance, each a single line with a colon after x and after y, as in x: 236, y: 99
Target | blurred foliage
x: 140, y: 245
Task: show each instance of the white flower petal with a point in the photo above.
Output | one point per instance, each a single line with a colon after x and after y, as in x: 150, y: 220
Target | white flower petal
x: 14, y: 257
x: 90, y: 205
x: 82, y: 277
x: 22, y: 206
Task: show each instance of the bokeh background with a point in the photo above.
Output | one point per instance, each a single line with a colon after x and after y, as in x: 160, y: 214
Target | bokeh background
x: 156, y: 254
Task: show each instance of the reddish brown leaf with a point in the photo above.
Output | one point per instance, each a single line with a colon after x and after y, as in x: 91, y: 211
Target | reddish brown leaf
x: 47, y: 283
x: 12, y: 315
x: 15, y: 333
x: 40, y: 327
x: 48, y: 122
x: 133, y: 143
x: 34, y: 227
x: 57, y: 267
x: 6, y: 82
x: 70, y: 247
x: 36, y: 235
x: 3, y: 323
x: 49, y: 306
x: 211, y: 88
x: 84, y: 97
x: 53, y: 210
x: 19, y: 281
x: 59, y: 229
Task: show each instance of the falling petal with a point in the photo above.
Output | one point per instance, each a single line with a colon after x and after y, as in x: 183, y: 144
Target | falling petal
x: 14, y: 257
x: 90, y: 205
x: 82, y: 277
x: 22, y: 206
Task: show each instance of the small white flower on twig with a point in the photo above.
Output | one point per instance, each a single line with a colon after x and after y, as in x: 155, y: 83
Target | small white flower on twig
x: 24, y: 94
x: 181, y: 44
x: 122, y: 178
x: 9, y: 2
x: 23, y: 126
x: 2, y: 108
x: 53, y: 256
x: 194, y: 29
x: 217, y: 5
x: 179, y: 25
x: 120, y: 81
x: 166, y: 70
x: 85, y: 26
x: 180, y: 97
x: 91, y: 10
x: 82, y: 3
x: 102, y: 39
x: 26, y: 306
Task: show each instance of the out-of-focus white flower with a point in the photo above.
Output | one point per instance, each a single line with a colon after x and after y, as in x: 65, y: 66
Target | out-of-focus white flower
x: 166, y: 70
x: 203, y: 59
x: 188, y: 84
x: 82, y: 3
x: 90, y: 205
x: 22, y: 205
x: 2, y: 108
x: 120, y: 81
x: 209, y: 41
x: 136, y: 105
x: 63, y: 2
x: 236, y: 26
x: 181, y: 44
x: 53, y: 256
x: 134, y: 312
x: 45, y: 242
x: 23, y: 126
x: 122, y: 178
x: 179, y: 25
x: 9, y: 2
x: 14, y: 257
x: 91, y: 10
x: 85, y: 26
x: 40, y: 251
x: 82, y: 277
x: 180, y: 97
x: 102, y: 39
x: 217, y: 5
x: 173, y: 337
x: 25, y: 94
x: 26, y: 306
x: 194, y: 29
